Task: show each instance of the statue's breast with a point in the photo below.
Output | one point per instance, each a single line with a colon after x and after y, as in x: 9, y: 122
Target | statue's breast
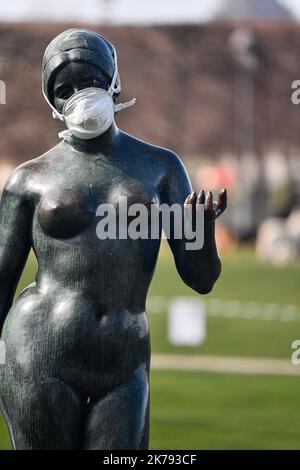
x: 133, y: 192
x: 65, y: 213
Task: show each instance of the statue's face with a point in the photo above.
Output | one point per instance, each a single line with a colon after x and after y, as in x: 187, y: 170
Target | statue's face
x: 76, y: 76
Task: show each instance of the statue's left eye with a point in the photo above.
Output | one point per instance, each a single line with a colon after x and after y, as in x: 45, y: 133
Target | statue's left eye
x: 97, y: 82
x: 65, y: 93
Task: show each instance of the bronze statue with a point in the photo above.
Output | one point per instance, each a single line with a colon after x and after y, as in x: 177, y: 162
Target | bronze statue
x: 77, y: 340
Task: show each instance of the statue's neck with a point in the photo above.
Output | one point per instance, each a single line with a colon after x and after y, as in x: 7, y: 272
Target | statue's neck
x: 98, y: 144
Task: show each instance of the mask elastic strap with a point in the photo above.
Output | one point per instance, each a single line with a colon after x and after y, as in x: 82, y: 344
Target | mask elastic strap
x: 116, y: 89
x: 120, y: 106
x: 65, y: 134
x: 113, y: 88
x: 55, y: 113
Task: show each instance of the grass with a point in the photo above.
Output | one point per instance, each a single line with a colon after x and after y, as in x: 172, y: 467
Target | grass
x: 232, y: 337
x: 209, y: 411
x: 4, y: 438
x: 243, y: 278
x: 216, y: 411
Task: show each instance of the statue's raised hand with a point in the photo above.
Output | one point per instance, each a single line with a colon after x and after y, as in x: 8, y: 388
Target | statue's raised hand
x: 212, y: 209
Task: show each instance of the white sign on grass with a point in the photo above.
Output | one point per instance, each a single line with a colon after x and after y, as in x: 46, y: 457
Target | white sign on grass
x: 186, y: 321
x: 2, y: 353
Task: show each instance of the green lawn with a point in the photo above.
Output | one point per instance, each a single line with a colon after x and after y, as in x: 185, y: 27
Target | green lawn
x: 216, y: 411
x: 193, y: 410
x: 243, y: 278
x: 4, y: 439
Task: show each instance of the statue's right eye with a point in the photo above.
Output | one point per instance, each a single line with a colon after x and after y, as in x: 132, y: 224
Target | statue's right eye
x: 64, y: 92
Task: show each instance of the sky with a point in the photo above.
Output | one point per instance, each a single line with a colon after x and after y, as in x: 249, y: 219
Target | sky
x: 294, y: 6
x: 119, y: 11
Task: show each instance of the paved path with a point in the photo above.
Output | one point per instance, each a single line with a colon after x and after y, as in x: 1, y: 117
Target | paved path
x: 224, y: 364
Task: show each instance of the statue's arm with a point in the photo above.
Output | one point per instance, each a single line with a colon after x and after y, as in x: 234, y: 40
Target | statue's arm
x: 199, y: 268
x: 15, y: 239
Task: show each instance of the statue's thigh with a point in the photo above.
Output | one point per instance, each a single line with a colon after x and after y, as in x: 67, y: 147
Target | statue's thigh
x: 45, y: 415
x: 120, y: 420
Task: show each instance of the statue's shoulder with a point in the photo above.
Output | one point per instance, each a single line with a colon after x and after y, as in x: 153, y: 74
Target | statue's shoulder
x: 20, y: 180
x: 163, y: 156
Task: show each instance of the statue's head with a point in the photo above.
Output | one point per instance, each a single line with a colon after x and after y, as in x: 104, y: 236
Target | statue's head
x: 74, y: 60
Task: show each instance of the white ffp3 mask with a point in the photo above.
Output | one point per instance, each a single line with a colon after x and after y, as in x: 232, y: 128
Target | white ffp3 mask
x: 90, y: 112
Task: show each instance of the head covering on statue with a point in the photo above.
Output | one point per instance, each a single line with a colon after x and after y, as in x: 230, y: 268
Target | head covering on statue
x: 90, y: 111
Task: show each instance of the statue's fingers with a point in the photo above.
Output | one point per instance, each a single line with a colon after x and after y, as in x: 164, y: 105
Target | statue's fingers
x: 222, y: 202
x: 209, y: 201
x: 187, y: 201
x: 193, y: 198
x: 223, y: 199
x: 201, y: 197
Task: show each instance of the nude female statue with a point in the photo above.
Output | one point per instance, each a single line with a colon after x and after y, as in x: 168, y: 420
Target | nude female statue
x: 77, y: 340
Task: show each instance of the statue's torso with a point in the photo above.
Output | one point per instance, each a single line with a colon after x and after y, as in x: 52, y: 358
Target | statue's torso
x: 86, y: 313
